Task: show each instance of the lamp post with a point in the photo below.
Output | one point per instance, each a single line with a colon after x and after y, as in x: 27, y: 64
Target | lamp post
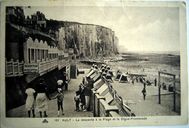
x: 174, y: 94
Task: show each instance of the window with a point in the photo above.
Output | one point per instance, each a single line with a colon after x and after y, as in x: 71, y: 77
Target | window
x: 46, y: 54
x: 29, y: 55
x: 43, y: 54
x: 32, y: 55
x: 38, y: 54
x: 49, y: 56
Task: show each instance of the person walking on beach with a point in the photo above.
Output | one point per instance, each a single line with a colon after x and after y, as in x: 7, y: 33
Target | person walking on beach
x: 144, y: 84
x: 155, y: 82
x: 144, y: 93
x: 133, y: 80
x: 42, y: 98
x: 30, y: 100
x: 60, y: 99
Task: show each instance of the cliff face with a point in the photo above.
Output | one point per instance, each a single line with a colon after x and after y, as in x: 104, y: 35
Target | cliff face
x: 88, y: 40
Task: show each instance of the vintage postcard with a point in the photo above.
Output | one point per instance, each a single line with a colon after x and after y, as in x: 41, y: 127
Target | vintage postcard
x: 93, y: 63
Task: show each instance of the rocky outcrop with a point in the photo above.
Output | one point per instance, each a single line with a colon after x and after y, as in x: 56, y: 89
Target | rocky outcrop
x: 87, y: 40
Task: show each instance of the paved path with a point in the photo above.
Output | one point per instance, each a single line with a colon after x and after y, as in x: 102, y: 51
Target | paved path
x: 69, y: 105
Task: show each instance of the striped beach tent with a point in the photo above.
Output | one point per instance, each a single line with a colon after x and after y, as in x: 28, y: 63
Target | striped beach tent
x: 123, y: 78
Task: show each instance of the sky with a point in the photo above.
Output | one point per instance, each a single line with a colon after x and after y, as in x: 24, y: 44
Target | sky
x: 139, y: 29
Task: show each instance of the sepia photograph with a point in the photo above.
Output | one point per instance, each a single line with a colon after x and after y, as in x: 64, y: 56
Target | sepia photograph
x: 93, y: 61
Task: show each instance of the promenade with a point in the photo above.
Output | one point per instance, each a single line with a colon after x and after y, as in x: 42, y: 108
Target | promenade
x: 69, y: 105
x: 131, y: 94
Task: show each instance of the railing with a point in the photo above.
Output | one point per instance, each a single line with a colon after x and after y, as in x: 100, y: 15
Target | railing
x: 62, y: 63
x: 13, y: 68
x: 41, y: 67
x: 47, y: 66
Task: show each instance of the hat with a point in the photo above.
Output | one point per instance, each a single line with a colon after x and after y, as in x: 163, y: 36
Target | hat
x: 59, y: 82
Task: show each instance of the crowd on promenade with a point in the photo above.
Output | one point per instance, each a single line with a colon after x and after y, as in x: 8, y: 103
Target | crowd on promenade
x: 37, y: 98
x: 83, y: 96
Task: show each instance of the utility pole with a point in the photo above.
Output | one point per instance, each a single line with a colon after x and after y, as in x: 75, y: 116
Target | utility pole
x: 174, y: 88
x: 159, y: 88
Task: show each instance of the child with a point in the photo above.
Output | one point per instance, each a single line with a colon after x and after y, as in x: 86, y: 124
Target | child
x: 60, y: 97
x: 77, y: 100
x: 30, y: 101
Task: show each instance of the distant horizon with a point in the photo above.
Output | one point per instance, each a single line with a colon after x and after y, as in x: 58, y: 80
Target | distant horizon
x: 152, y: 52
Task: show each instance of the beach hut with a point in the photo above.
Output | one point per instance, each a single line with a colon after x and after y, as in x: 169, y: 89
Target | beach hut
x: 110, y: 72
x: 93, y: 75
x: 103, y: 66
x: 97, y: 77
x: 118, y: 76
x: 123, y: 78
x: 109, y: 77
x: 103, y: 69
x: 90, y: 73
x: 108, y: 67
x: 104, y: 74
x: 98, y: 84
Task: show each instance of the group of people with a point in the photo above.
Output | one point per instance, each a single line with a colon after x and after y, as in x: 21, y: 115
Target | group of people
x: 38, y: 98
x: 83, y: 101
x: 83, y: 95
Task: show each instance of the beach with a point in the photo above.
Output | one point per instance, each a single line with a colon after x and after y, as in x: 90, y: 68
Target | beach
x: 149, y: 65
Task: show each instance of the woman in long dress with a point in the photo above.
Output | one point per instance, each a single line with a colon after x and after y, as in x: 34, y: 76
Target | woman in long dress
x: 30, y: 101
x: 42, y: 98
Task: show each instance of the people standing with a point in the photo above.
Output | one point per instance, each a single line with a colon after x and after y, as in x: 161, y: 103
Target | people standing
x: 144, y: 93
x: 133, y: 80
x: 30, y: 100
x: 77, y: 100
x: 42, y: 98
x: 60, y: 98
x: 88, y: 85
x: 65, y: 80
x: 155, y: 82
x: 144, y: 84
x: 82, y: 96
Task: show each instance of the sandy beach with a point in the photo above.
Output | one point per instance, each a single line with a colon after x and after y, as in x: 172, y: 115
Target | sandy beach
x: 136, y: 64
